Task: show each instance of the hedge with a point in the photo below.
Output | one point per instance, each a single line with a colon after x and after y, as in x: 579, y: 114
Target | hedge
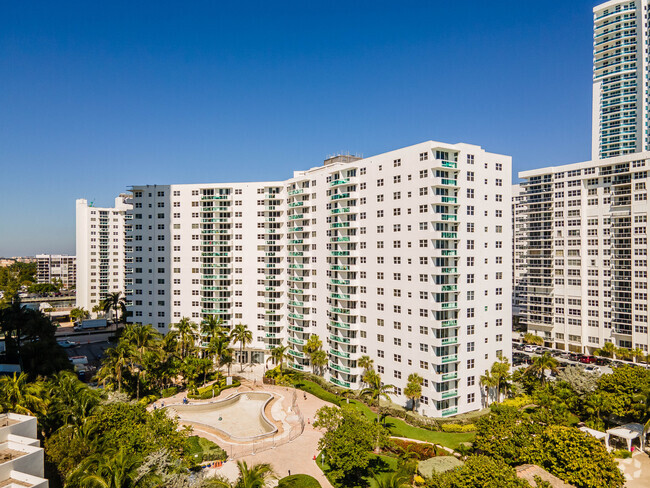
x: 206, y: 392
x: 458, y: 428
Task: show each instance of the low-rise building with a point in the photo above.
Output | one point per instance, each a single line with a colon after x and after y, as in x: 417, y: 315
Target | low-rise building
x: 21, y: 457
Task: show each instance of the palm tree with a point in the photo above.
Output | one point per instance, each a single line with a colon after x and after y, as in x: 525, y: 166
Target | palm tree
x: 502, y: 376
x: 413, y: 388
x: 115, y: 470
x: 77, y: 314
x: 187, y: 335
x: 212, y: 328
x: 488, y: 382
x: 595, y: 405
x: 113, y: 304
x: 114, y: 364
x: 227, y: 358
x: 608, y: 350
x: 257, y: 476
x: 531, y: 338
x: 218, y: 347
x: 318, y: 360
x: 19, y: 396
x: 541, y: 364
x: 397, y: 479
x: 313, y: 345
x: 376, y: 389
x: 638, y: 354
x: 241, y: 334
x: 142, y: 338
x: 278, y: 355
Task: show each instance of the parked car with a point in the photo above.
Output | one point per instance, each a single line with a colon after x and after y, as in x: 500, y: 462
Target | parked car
x: 574, y: 356
x: 530, y: 348
x: 592, y: 369
x: 67, y: 344
x: 587, y: 359
x: 602, y: 361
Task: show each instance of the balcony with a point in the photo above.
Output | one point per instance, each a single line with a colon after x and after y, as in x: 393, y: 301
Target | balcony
x: 299, y: 367
x: 449, y: 376
x: 450, y: 411
x: 340, y: 325
x: 340, y: 340
x: 450, y: 323
x: 296, y: 192
x: 344, y: 384
x: 340, y: 181
x: 344, y: 355
x: 342, y: 369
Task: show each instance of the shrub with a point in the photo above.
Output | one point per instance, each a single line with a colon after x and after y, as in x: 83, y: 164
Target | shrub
x: 318, y: 391
x: 518, y: 402
x: 622, y: 454
x: 166, y: 393
x: 458, y: 428
x: 420, y: 450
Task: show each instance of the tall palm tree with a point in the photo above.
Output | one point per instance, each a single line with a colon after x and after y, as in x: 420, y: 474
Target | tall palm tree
x: 376, y: 389
x: 142, y: 338
x: 227, y: 358
x: 78, y: 314
x: 541, y: 364
x: 217, y: 348
x: 114, y: 364
x: 318, y: 361
x: 212, y: 327
x: 278, y: 355
x: 19, y: 396
x: 313, y: 345
x: 413, y: 388
x: 241, y: 334
x: 115, y: 304
x: 595, y: 405
x: 488, y: 382
x: 187, y: 331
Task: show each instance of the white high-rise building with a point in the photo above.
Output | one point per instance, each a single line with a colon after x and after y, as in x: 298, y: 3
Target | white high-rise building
x: 586, y: 274
x: 101, y: 260
x: 56, y: 267
x: 405, y: 257
x: 519, y: 248
x: 620, y: 85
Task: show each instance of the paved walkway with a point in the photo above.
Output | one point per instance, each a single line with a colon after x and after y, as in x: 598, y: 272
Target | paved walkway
x: 636, y: 470
x: 296, y: 456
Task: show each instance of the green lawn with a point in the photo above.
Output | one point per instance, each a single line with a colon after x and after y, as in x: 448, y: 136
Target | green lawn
x: 298, y: 481
x: 399, y: 428
x: 396, y: 426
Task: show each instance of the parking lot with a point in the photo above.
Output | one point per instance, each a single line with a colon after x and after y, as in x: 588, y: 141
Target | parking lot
x: 521, y: 358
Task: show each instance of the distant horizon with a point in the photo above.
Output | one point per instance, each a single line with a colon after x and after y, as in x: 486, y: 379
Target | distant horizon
x: 99, y: 97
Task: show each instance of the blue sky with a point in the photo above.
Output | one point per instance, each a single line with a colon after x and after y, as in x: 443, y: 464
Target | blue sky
x: 97, y: 96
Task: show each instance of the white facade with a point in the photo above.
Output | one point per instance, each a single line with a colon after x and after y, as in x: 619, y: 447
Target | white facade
x: 18, y: 436
x: 100, y: 241
x: 56, y: 267
x: 405, y: 257
x: 586, y: 276
x: 519, y: 213
x: 620, y: 89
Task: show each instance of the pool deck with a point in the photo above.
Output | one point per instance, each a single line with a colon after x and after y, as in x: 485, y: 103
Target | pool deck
x: 296, y: 456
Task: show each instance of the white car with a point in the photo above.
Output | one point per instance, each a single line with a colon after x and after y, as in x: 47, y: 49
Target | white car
x: 592, y: 369
x: 530, y: 348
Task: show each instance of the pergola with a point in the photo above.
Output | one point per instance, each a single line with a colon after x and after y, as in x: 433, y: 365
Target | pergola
x: 629, y: 432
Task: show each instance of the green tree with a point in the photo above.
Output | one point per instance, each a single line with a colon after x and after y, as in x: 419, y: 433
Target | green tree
x: 625, y: 389
x: 376, y: 389
x: 397, y: 479
x: 113, y: 470
x: 505, y: 434
x: 595, y: 405
x: 115, y: 305
x: 347, y: 442
x: 19, y: 396
x: 541, y: 364
x: 608, y: 350
x: 187, y: 331
x: 241, y: 334
x: 255, y: 476
x: 278, y: 355
x: 413, y: 390
x: 575, y: 457
x: 142, y: 338
x: 78, y: 314
x: 313, y: 345
x: 366, y: 364
x: 531, y: 338
x: 479, y: 472
x: 115, y: 363
x: 318, y: 360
